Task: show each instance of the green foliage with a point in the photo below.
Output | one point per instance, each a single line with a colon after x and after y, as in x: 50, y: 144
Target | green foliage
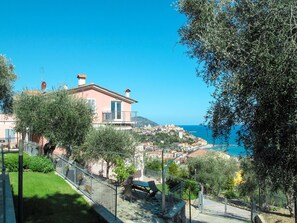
x: 59, y: 116
x: 248, y: 53
x: 33, y: 163
x: 230, y: 194
x: 153, y: 164
x: 12, y: 161
x: 250, y: 184
x: 7, y: 77
x: 188, y: 186
x: 173, y: 169
x: 108, y: 144
x: 122, y: 170
x: 248, y: 50
x: 40, y: 164
x: 213, y: 171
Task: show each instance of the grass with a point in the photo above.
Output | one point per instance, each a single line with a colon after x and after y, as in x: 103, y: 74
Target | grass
x: 48, y: 198
x: 279, y: 216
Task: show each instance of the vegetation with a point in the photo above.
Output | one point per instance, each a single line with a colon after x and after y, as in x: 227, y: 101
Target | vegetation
x: 30, y: 163
x: 41, y: 164
x: 108, y: 144
x: 12, y: 161
x: 58, y: 116
x: 213, y: 172
x: 247, y: 50
x: 153, y: 164
x: 55, y: 203
x: 122, y: 170
x: 7, y: 77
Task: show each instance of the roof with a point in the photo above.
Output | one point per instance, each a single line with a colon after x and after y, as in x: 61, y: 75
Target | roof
x: 199, y: 152
x: 102, y: 90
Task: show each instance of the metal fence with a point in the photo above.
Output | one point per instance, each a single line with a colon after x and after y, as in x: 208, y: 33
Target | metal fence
x: 31, y: 148
x: 94, y: 188
x: 2, y: 189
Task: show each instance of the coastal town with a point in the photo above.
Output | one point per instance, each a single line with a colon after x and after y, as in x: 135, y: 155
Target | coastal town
x: 182, y: 145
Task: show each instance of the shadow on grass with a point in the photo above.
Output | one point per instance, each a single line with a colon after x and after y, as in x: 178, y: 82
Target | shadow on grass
x: 58, y: 208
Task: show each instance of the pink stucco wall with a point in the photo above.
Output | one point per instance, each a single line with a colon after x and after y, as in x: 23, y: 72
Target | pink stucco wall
x: 103, y: 102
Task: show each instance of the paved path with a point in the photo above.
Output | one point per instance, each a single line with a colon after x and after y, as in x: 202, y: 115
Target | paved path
x: 214, y: 212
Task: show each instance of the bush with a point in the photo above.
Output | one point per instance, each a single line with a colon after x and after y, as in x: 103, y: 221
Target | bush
x: 11, y: 161
x: 230, y: 194
x: 41, y: 164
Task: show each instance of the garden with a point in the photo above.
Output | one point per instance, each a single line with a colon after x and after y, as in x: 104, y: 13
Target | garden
x: 47, y: 197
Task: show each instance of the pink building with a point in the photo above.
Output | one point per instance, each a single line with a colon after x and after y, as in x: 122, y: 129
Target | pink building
x: 109, y: 107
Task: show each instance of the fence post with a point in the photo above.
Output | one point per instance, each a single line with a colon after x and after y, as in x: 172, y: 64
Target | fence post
x: 74, y: 165
x: 225, y: 205
x: 3, y: 185
x: 116, y: 202
x: 190, y: 213
x: 253, y: 210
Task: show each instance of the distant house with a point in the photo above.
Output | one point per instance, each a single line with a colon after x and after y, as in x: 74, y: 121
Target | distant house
x: 109, y: 108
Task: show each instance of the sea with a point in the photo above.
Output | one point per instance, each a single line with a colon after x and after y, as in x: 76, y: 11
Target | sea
x: 202, y: 131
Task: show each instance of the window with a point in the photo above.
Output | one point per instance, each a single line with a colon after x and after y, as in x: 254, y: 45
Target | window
x: 116, y: 109
x: 92, y: 103
x: 10, y: 135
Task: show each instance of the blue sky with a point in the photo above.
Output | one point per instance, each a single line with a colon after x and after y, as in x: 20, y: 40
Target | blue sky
x: 118, y: 44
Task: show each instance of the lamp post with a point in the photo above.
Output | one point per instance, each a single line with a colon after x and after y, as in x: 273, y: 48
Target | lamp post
x: 164, y: 178
x: 163, y: 184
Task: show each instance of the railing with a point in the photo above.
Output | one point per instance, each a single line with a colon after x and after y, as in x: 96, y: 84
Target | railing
x: 7, y: 214
x: 95, y: 189
x: 118, y: 117
x: 31, y: 148
x: 2, y: 186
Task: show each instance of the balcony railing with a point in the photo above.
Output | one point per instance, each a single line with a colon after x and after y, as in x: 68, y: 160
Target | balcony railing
x: 124, y: 117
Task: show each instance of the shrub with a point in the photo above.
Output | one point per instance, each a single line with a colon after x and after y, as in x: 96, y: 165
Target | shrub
x: 230, y: 194
x: 11, y: 161
x: 41, y: 164
x: 122, y: 171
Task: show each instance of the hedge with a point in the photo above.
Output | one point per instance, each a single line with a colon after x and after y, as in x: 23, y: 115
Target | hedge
x: 33, y: 163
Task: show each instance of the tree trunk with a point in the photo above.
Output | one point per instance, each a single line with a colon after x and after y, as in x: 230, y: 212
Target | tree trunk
x: 107, y: 169
x: 290, y: 202
x: 295, y: 206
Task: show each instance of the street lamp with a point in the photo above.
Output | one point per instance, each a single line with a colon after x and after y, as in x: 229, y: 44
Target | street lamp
x: 164, y: 178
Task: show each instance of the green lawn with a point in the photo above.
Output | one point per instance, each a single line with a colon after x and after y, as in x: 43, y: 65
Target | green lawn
x: 48, y: 198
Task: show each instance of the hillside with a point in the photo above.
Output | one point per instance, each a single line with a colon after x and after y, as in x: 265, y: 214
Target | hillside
x: 141, y: 122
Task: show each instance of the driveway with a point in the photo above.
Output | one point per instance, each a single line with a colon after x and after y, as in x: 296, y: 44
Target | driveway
x: 214, y: 212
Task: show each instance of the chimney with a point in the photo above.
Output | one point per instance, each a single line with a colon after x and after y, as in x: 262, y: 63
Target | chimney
x: 127, y: 93
x: 43, y: 86
x: 81, y: 79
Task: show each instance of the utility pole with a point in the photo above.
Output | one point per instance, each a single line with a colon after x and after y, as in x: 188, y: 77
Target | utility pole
x: 20, y: 178
x: 163, y: 184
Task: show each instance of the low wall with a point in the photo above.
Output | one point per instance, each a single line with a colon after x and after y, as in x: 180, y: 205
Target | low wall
x: 177, y: 214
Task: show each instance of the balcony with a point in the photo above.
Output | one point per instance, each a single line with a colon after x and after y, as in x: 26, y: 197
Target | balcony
x: 119, y: 118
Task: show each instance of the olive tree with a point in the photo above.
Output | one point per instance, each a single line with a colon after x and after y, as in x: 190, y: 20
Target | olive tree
x: 213, y: 171
x: 109, y: 144
x: 7, y: 77
x: 246, y: 49
x: 58, y: 116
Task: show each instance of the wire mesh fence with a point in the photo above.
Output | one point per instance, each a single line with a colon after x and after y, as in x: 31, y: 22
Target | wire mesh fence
x: 95, y: 189
x: 31, y: 148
